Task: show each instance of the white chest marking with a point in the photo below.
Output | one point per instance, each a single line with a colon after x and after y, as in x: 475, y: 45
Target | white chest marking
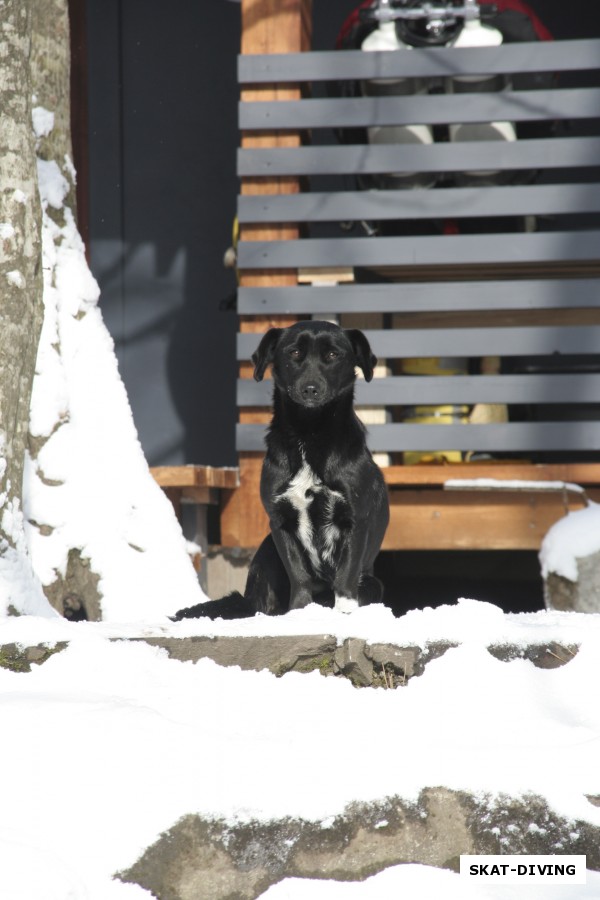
x: 300, y: 493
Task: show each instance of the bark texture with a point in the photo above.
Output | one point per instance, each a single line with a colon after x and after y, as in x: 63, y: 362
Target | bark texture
x: 50, y: 79
x: 21, y: 309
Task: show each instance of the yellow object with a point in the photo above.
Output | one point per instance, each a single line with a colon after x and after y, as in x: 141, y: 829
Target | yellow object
x: 435, y: 365
x: 435, y: 415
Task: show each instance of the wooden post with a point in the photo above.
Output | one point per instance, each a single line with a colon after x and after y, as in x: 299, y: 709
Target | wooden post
x: 268, y: 26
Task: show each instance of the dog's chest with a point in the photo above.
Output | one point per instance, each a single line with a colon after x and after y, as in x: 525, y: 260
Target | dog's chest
x: 319, y: 510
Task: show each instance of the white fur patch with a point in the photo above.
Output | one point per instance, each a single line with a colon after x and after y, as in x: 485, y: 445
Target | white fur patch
x: 331, y: 535
x: 300, y: 493
x: 345, y: 604
x: 304, y: 480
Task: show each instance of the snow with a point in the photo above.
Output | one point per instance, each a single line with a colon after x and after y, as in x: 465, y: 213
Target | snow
x: 512, y: 484
x: 158, y: 739
x: 19, y: 196
x: 89, y: 487
x: 43, y: 121
x: 109, y: 742
x: 422, y: 883
x: 16, y: 278
x: 7, y: 231
x: 574, y: 536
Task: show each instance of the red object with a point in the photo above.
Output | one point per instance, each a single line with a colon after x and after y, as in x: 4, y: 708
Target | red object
x: 501, y: 5
x: 350, y: 23
x: 518, y: 6
x: 451, y: 226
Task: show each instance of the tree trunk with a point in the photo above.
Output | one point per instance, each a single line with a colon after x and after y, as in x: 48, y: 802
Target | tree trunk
x: 21, y: 309
x: 50, y: 76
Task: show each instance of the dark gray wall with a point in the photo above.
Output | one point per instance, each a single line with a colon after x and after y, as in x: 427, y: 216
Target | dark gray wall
x: 163, y: 136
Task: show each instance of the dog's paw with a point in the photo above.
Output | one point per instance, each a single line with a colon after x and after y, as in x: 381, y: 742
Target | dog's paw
x: 345, y: 604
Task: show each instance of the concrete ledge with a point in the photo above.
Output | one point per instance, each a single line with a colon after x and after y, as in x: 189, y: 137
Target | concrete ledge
x: 201, y: 859
x: 365, y: 665
x: 20, y: 659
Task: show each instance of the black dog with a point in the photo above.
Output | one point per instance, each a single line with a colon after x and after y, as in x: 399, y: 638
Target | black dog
x: 324, y: 495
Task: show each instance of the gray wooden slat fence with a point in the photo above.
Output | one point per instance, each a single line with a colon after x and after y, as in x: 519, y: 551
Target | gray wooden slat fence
x: 344, y: 206
x: 449, y: 296
x: 458, y: 342
x: 414, y: 390
x: 540, y: 247
x: 538, y: 153
x: 361, y: 112
x: 566, y: 202
x: 512, y: 437
x: 434, y: 62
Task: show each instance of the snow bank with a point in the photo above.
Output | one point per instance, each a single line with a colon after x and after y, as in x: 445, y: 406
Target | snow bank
x: 423, y: 883
x: 19, y: 589
x: 573, y: 537
x: 467, y: 620
x: 89, y: 486
x: 139, y: 740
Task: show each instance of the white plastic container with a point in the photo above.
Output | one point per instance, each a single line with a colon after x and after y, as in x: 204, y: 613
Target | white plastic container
x: 474, y: 34
x: 385, y: 38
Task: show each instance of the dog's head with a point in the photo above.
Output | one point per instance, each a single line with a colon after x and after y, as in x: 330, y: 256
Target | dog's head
x: 314, y: 362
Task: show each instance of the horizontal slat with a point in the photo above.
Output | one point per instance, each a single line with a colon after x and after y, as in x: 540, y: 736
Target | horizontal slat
x: 450, y: 296
x: 542, y: 56
x: 446, y: 342
x: 456, y: 389
x: 432, y: 475
x: 514, y: 436
x: 431, y: 109
x: 341, y: 206
x: 190, y: 476
x: 513, y: 248
x: 543, y: 153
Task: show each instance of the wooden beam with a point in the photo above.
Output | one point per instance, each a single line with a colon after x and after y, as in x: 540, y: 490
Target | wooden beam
x: 268, y: 26
x: 244, y: 522
x: 276, y: 26
x: 200, y: 496
x: 433, y: 519
x: 272, y: 26
x: 437, y: 474
x: 195, y: 477
x: 438, y: 520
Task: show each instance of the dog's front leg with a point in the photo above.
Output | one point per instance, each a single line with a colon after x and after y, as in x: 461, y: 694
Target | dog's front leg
x: 295, y: 564
x: 347, y: 581
x: 345, y: 588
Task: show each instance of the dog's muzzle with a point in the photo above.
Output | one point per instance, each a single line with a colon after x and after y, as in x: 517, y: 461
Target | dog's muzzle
x: 311, y: 393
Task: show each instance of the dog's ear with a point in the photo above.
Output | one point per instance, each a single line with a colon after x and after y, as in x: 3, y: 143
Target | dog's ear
x: 365, y: 359
x: 265, y: 353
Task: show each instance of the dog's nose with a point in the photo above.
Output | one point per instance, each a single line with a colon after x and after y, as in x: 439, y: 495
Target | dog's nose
x: 310, y: 392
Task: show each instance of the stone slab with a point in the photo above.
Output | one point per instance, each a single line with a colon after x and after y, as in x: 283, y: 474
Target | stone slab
x: 199, y: 859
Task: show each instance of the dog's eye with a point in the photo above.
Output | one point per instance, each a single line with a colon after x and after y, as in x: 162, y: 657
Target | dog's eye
x: 295, y: 354
x: 332, y: 354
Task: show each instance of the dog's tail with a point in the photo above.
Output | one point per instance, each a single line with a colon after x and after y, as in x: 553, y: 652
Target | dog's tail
x: 233, y: 606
